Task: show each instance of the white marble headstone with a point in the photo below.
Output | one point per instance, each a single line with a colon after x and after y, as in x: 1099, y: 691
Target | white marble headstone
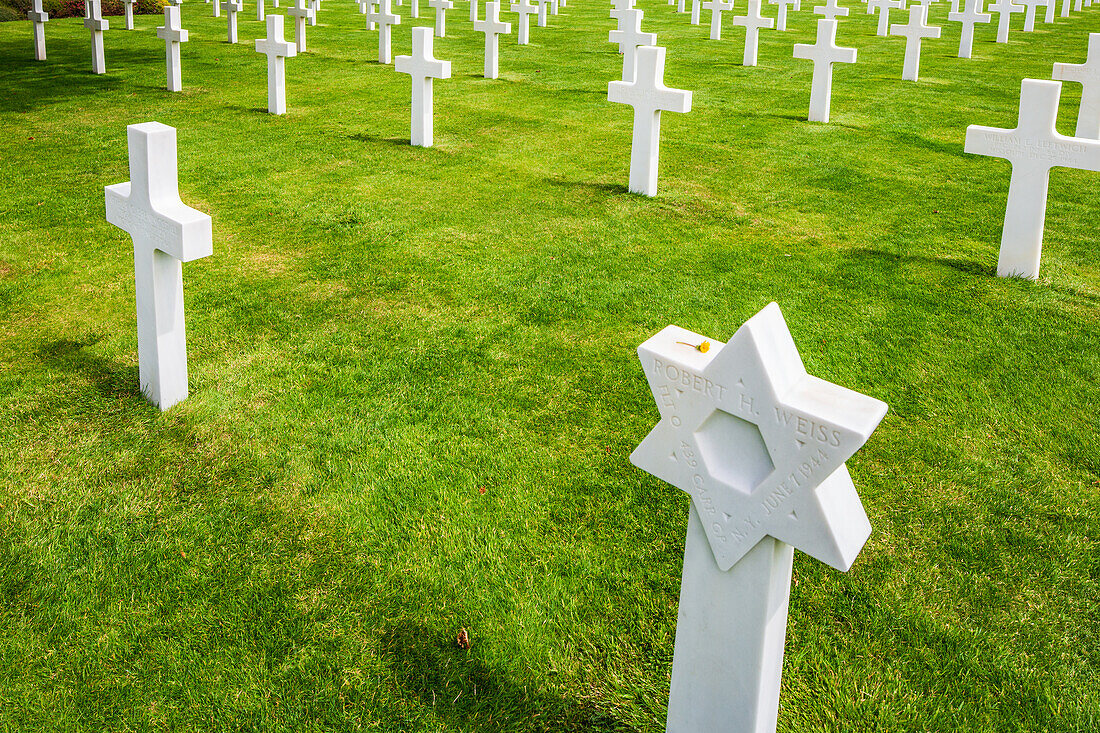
x: 824, y: 54
x: 95, y: 23
x: 1033, y: 147
x: 423, y: 67
x: 277, y: 51
x: 38, y: 19
x: 301, y: 13
x: 760, y: 445
x: 173, y: 35
x: 493, y: 28
x: 914, y: 32
x: 629, y: 36
x: 1088, y: 75
x: 649, y: 96
x: 525, y: 9
x: 385, y: 18
x: 971, y: 14
x: 165, y: 232
x: 753, y: 21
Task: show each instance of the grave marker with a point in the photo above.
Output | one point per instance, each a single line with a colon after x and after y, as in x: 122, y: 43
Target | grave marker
x: 524, y: 8
x: 883, y: 8
x: 1033, y: 148
x: 629, y: 37
x: 128, y: 14
x: 824, y: 54
x: 1030, y: 8
x: 781, y: 12
x: 753, y: 22
x: 972, y: 13
x: 761, y: 447
x: 95, y: 23
x: 441, y: 7
x: 831, y: 10
x: 423, y: 67
x: 173, y: 35
x: 492, y: 27
x: 543, y: 7
x: 38, y: 19
x: 231, y: 8
x: 649, y: 96
x: 1004, y: 10
x: 716, y: 8
x: 385, y: 18
x: 166, y: 232
x: 696, y: 6
x: 277, y: 51
x: 301, y: 13
x: 260, y: 10
x: 1088, y: 75
x: 914, y: 33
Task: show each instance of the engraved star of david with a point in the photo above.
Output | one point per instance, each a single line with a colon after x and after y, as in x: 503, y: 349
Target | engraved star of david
x: 758, y: 444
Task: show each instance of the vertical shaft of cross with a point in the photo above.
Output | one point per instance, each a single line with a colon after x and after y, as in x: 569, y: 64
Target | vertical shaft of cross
x: 1088, y: 75
x: 38, y: 18
x: 724, y: 679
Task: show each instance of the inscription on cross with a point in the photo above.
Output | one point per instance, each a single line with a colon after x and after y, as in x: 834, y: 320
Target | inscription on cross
x: 1033, y: 147
x: 165, y: 232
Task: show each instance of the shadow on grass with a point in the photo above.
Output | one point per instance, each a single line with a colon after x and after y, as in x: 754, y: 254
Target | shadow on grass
x: 363, y: 137
x: 970, y: 267
x: 612, y: 188
x: 467, y: 695
x: 109, y: 378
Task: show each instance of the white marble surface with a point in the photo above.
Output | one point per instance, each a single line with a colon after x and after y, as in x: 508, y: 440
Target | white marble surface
x: 649, y: 96
x: 301, y: 12
x: 525, y: 9
x: 760, y: 446
x: 231, y: 8
x: 423, y: 67
x: 441, y: 7
x: 629, y: 36
x: 752, y: 21
x: 915, y: 31
x: 1004, y: 10
x: 386, y: 19
x: 971, y: 14
x: 781, y: 12
x: 716, y: 8
x: 1033, y: 147
x: 165, y: 232
x: 1088, y: 75
x: 831, y: 10
x: 824, y: 54
x: 173, y: 34
x: 277, y: 50
x: 493, y: 28
x: 96, y: 24
x: 38, y: 19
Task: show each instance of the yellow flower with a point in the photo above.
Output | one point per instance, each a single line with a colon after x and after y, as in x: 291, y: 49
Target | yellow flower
x: 704, y: 347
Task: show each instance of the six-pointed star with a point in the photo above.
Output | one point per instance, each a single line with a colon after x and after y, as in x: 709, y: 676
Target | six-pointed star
x: 757, y: 442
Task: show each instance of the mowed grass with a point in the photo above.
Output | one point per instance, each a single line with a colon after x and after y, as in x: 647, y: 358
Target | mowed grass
x: 414, y: 386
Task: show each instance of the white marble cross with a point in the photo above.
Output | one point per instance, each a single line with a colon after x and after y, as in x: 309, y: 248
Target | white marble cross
x: 696, y: 10
x: 917, y: 30
x: 831, y: 10
x: 423, y: 67
x: 165, y: 232
x: 301, y: 13
x: 1066, y: 4
x: 1030, y: 8
x: 524, y: 8
x: 629, y: 37
x: 1088, y: 75
x: 173, y: 35
x: 753, y: 22
x: 128, y: 14
x: 619, y: 7
x: 716, y: 8
x: 971, y: 14
x: 492, y: 27
x: 414, y: 8
x: 95, y: 23
x: 216, y: 8
x: 473, y: 11
x: 441, y: 7
x: 649, y: 96
x: 260, y: 11
x: 1051, y: 8
x: 385, y: 18
x: 1033, y: 148
x: 315, y: 6
x: 1004, y: 10
x: 781, y: 12
x: 277, y: 50
x: 38, y: 19
x: 761, y: 448
x: 884, y: 7
x: 543, y: 8
x: 824, y: 54
x: 231, y: 8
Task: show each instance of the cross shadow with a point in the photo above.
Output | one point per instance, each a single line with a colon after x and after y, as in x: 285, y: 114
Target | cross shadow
x: 611, y: 188
x: 969, y: 267
x: 363, y: 137
x: 109, y: 378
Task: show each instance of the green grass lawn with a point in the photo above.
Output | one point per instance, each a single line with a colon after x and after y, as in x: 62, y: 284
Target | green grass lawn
x: 414, y: 385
